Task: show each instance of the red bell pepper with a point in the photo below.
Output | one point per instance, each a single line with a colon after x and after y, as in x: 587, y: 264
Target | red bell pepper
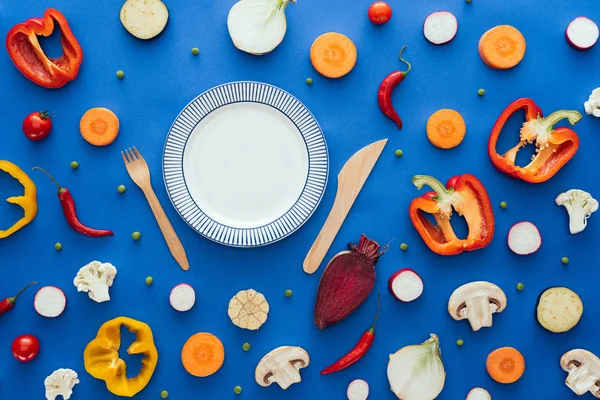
x: 27, y: 54
x: 468, y: 197
x: 554, y: 147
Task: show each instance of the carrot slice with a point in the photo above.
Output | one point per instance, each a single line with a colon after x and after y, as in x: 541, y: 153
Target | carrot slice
x: 203, y: 354
x: 99, y: 126
x: 333, y: 55
x: 446, y: 129
x: 505, y: 365
x: 502, y: 47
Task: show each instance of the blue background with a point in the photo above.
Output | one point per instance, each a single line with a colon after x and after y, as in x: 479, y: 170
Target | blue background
x: 162, y: 77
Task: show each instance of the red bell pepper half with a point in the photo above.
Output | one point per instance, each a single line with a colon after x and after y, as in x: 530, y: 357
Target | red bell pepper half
x: 554, y: 147
x: 468, y: 197
x: 27, y: 54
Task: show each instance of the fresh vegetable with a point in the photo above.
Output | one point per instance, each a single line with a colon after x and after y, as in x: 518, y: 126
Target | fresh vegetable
x: 237, y: 390
x: 101, y: 356
x: 136, y: 236
x: 564, y: 260
x: 386, y: 89
x: 149, y: 280
x: 246, y: 346
x: 288, y: 293
x: 417, y: 372
x: 248, y: 309
x: 460, y: 342
x: 281, y: 365
x: 359, y: 350
x: 120, y: 74
x: 481, y: 92
x: 28, y: 201
x: 257, y: 26
x: 398, y: 153
x: 74, y: 165
x: 502, y: 47
x: 440, y: 27
x: 25, y: 348
x: 584, y: 371
x: 477, y: 301
x: 203, y: 354
x: 333, y: 55
x: 580, y: 205
x: 405, y: 285
x: 28, y: 56
x: 505, y: 365
x: 9, y: 302
x: 358, y: 389
x: 309, y: 81
x: 554, y: 147
x: 60, y: 383
x: 503, y: 205
x: 164, y: 394
x: 144, y: 19
x: 446, y: 129
x: 478, y: 394
x: 68, y: 206
x: 403, y: 247
x: 99, y: 126
x: 346, y: 282
x: 50, y: 302
x: 182, y: 297
x: 468, y: 197
x: 520, y: 286
x: 380, y: 12
x: 592, y: 106
x: 121, y: 189
x: 524, y: 238
x: 582, y: 33
x: 95, y: 278
x: 559, y: 309
x: 37, y: 125
x: 195, y: 51
x: 58, y: 246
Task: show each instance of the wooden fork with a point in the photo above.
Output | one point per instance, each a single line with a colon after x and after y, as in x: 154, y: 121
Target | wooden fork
x: 140, y: 174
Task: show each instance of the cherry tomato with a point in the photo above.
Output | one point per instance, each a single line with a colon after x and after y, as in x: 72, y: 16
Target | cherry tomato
x: 380, y: 12
x: 25, y: 348
x: 37, y: 125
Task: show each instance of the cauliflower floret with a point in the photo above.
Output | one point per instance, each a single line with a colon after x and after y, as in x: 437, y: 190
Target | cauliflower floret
x: 592, y: 106
x: 60, y: 382
x: 95, y: 278
x: 580, y: 205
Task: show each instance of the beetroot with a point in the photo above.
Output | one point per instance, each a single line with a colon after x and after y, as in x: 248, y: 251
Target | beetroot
x: 346, y: 282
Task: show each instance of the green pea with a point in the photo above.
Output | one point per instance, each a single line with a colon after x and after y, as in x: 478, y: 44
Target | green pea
x: 195, y: 51
x: 136, y: 236
x: 468, y: 1
x: 74, y: 165
x: 58, y: 246
x: 403, y: 247
x: 481, y: 92
x: 460, y: 342
x: 237, y: 390
x: 121, y: 189
x: 164, y: 394
x: 246, y: 346
x: 520, y: 286
x: 288, y: 293
x: 565, y: 260
x: 503, y: 205
x: 398, y: 153
x: 149, y: 280
x: 309, y: 81
x: 120, y: 74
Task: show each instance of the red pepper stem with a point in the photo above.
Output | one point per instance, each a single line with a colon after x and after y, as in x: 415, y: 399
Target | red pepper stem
x: 552, y: 119
x: 405, y: 62
x: 60, y: 188
x: 439, y: 188
x: 372, y: 329
x: 12, y: 300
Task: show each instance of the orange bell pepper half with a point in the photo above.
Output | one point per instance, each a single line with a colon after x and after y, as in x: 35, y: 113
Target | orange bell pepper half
x: 467, y: 196
x: 27, y: 54
x: 554, y: 147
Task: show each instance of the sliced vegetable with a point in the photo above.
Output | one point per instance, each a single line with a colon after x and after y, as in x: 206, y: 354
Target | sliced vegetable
x: 559, y: 309
x: 144, y: 19
x: 248, y: 309
x: 358, y: 389
x: 477, y: 301
x: 524, y: 238
x: 282, y: 365
x: 386, y: 88
x: 27, y: 201
x: 478, y: 394
x: 182, y: 297
x: 333, y: 55
x: 50, y: 302
x: 505, y: 365
x: 257, y: 26
x: 405, y: 285
x: 25, y: 348
x: 580, y: 205
x: 417, y: 371
x: 446, y: 129
x: 380, y: 12
x: 99, y: 126
x: 584, y: 371
x: 95, y: 278
x: 9, y: 302
x: 502, y: 47
x: 440, y: 27
x: 203, y: 354
x: 60, y: 383
x: 592, y: 106
x: 582, y: 33
x: 37, y: 125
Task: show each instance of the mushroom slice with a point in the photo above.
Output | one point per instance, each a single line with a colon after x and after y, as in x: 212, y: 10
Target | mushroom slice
x: 282, y: 365
x: 477, y: 301
x: 584, y: 371
x: 248, y: 309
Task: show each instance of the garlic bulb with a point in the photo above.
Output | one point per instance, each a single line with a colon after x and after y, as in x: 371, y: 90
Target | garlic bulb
x: 416, y: 372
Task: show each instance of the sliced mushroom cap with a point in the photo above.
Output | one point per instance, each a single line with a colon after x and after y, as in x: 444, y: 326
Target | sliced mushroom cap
x: 477, y: 301
x: 584, y: 371
x: 282, y: 365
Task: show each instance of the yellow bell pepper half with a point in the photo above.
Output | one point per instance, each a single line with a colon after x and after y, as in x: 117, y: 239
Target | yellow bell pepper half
x: 101, y: 356
x: 28, y: 201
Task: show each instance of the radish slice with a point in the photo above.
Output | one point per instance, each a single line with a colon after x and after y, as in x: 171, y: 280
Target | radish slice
x: 582, y: 33
x: 405, y: 285
x: 144, y: 19
x: 524, y: 238
x: 358, y: 390
x: 440, y: 27
x: 479, y: 394
x: 182, y: 297
x: 50, y: 302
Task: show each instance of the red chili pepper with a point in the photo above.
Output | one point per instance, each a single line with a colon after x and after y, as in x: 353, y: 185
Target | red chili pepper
x: 9, y: 302
x: 387, y: 87
x: 361, y: 348
x: 68, y: 205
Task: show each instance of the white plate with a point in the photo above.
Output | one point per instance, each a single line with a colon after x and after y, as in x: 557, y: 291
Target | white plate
x: 245, y: 164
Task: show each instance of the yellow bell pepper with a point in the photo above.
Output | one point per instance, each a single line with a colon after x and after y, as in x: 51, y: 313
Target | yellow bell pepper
x: 101, y: 356
x: 28, y: 201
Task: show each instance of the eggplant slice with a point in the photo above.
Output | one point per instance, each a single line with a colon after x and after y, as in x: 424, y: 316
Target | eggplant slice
x: 559, y: 309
